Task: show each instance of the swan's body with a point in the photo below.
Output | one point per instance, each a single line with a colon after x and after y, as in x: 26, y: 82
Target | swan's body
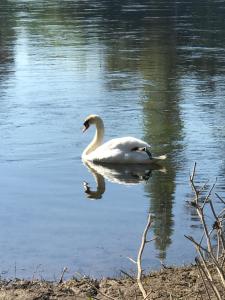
x: 119, y: 151
x: 124, y: 150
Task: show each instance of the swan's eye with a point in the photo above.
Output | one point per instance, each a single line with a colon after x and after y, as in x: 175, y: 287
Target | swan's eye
x: 86, y: 125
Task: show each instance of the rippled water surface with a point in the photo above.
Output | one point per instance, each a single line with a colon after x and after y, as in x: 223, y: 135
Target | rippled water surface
x: 151, y: 69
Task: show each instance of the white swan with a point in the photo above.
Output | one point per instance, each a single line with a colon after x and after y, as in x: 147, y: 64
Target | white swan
x: 125, y: 150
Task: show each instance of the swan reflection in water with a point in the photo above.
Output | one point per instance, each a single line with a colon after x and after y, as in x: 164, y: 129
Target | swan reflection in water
x: 120, y: 174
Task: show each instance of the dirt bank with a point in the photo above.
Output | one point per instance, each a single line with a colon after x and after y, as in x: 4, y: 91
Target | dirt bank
x: 170, y: 283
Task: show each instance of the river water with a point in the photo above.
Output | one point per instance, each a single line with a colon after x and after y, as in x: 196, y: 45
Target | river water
x: 150, y: 69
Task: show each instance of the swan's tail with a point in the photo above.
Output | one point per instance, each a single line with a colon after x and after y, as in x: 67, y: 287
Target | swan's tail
x: 161, y: 157
x: 158, y: 159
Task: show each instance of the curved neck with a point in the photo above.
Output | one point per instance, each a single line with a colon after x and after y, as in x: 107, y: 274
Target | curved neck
x: 98, y: 138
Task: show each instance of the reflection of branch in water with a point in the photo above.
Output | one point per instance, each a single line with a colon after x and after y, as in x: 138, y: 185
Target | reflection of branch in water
x: 144, y: 241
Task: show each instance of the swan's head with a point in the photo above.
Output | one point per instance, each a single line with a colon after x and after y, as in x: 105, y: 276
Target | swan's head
x: 90, y: 120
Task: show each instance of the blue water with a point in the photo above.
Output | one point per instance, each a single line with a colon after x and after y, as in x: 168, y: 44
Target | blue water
x: 154, y: 72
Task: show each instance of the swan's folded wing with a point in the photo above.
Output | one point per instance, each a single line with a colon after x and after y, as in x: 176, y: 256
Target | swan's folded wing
x: 119, y: 150
x: 117, y: 156
x: 125, y: 144
x: 109, y: 156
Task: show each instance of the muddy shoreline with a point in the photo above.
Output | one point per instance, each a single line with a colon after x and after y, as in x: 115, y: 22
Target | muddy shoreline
x: 168, y: 283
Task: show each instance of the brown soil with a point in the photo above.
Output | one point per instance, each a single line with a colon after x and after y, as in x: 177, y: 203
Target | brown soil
x: 169, y: 283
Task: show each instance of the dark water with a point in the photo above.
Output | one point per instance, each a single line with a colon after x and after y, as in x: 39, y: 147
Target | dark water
x: 152, y: 69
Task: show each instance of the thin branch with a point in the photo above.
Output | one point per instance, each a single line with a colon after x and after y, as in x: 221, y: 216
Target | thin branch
x: 128, y: 275
x: 205, y: 265
x: 193, y: 172
x: 63, y: 272
x: 95, y: 288
x: 198, y: 246
x: 220, y: 198
x: 210, y: 282
x: 200, y: 272
x: 209, y: 194
x: 132, y: 260
x: 139, y: 257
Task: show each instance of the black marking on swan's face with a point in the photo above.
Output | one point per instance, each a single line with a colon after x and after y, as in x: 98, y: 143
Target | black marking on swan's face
x: 86, y: 125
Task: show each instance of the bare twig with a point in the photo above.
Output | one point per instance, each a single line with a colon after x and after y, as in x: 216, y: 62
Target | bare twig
x: 203, y: 279
x: 216, y: 259
x: 132, y: 260
x: 139, y: 257
x: 193, y: 173
x: 128, y: 275
x: 213, y: 286
x: 138, y: 262
x: 95, y: 288
x: 220, y: 198
x: 198, y: 246
x: 63, y: 272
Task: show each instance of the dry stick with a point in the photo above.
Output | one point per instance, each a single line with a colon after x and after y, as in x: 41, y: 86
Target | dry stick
x: 199, y: 248
x: 204, y: 186
x: 218, y: 245
x: 135, y: 294
x: 206, y: 232
x: 200, y: 272
x: 218, y: 227
x: 94, y: 287
x: 63, y: 272
x: 139, y: 257
x: 207, y: 235
x: 147, y: 295
x: 223, y: 260
x: 197, y: 192
x: 196, y: 244
x: 209, y: 194
x: 186, y: 295
x: 121, y: 294
x: 221, y: 235
x: 132, y: 260
x: 219, y: 270
x: 213, y: 211
x: 192, y: 183
x: 200, y: 211
x: 210, y: 282
x: 128, y: 275
x: 202, y: 219
x: 193, y: 172
x: 221, y: 214
x: 218, y: 224
x: 200, y: 296
x: 220, y: 198
x: 205, y: 265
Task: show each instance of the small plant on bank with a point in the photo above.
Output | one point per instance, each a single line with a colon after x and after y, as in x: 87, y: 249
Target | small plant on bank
x: 211, y: 247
